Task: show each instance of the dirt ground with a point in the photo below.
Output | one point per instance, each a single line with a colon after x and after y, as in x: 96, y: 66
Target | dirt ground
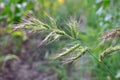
x: 19, y: 71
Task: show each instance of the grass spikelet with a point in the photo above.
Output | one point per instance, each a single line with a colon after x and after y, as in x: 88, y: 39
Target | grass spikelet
x: 83, y: 50
x: 59, y: 32
x: 73, y: 29
x: 32, y: 24
x: 111, y: 34
x: 45, y: 39
x: 53, y: 22
x: 108, y: 51
x: 67, y: 52
x: 38, y: 22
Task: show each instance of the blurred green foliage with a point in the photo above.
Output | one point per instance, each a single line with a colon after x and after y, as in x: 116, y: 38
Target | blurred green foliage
x: 94, y: 17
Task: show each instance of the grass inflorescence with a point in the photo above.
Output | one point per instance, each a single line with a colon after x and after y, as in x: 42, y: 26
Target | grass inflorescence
x: 108, y: 51
x: 36, y: 25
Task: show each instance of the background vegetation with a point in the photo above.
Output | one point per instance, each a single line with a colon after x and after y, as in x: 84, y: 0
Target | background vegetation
x: 92, y: 19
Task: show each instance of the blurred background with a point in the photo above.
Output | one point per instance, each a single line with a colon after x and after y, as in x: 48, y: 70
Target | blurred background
x: 19, y: 58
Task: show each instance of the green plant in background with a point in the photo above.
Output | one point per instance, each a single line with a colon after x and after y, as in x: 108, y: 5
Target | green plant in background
x: 102, y: 17
x: 11, y: 11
